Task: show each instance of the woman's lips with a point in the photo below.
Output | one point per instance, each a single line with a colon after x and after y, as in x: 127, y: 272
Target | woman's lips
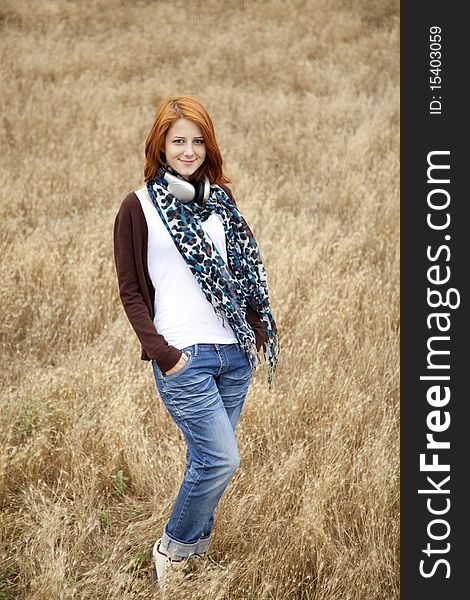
x: 187, y: 162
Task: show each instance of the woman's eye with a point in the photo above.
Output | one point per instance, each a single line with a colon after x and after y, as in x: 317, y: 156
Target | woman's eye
x: 181, y: 141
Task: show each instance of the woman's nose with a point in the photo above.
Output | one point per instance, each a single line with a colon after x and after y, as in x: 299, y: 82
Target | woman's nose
x: 188, y: 149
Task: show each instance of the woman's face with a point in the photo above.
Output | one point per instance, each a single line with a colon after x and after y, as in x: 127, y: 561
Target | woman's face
x: 185, y: 148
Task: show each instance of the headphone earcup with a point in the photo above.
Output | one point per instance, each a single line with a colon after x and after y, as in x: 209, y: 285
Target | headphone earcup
x: 202, y: 190
x: 179, y: 187
x: 185, y: 191
x: 207, y: 187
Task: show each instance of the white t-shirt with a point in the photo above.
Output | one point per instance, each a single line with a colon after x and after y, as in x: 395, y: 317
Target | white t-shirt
x: 183, y: 315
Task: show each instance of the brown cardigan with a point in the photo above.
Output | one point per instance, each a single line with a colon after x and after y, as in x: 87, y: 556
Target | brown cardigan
x: 136, y: 289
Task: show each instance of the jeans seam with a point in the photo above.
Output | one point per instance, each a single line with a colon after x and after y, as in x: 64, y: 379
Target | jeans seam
x: 219, y: 356
x: 183, y: 508
x: 204, y: 463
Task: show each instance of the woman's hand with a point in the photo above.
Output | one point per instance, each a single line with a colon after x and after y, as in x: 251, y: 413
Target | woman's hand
x: 179, y: 365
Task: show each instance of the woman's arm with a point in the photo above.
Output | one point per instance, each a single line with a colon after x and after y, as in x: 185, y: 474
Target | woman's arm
x: 131, y: 279
x: 255, y: 323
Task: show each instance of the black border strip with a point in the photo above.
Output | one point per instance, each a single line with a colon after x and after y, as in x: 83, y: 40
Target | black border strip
x: 423, y: 132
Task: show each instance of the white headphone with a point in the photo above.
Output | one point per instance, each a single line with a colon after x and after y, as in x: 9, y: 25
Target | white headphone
x: 185, y: 191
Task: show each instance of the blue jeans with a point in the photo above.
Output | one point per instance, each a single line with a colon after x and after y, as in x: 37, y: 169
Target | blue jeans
x: 205, y: 399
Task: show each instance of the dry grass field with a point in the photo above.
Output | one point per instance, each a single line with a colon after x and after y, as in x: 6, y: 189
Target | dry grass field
x: 304, y: 97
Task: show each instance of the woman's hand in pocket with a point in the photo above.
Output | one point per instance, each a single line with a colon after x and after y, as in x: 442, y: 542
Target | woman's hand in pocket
x: 179, y: 365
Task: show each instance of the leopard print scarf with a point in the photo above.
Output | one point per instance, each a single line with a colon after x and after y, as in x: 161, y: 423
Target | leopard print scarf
x: 228, y: 287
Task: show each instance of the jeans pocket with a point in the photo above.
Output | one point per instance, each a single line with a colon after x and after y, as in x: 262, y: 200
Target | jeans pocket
x: 185, y: 367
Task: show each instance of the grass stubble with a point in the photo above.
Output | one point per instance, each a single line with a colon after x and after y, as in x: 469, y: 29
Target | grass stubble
x: 305, y: 104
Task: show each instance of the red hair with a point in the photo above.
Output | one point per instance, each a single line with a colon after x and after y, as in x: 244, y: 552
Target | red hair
x: 170, y: 110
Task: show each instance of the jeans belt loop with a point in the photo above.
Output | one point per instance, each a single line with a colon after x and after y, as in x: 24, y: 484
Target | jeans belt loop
x: 195, y: 350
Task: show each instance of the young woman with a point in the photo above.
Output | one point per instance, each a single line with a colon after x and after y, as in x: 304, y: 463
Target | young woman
x: 194, y: 288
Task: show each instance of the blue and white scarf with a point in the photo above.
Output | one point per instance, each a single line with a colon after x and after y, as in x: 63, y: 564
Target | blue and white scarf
x: 231, y: 287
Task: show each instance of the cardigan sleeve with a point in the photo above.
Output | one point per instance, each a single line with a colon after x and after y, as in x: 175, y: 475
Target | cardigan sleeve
x: 252, y: 317
x: 131, y: 279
